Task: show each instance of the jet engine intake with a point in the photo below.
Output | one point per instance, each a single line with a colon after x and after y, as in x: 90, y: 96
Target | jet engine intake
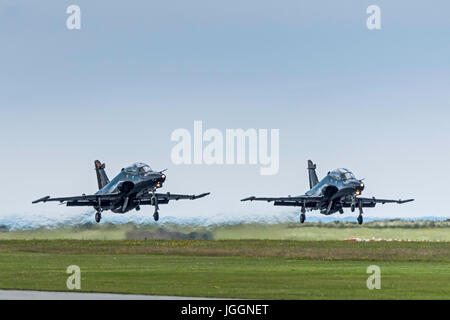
x: 125, y: 187
x: 329, y: 191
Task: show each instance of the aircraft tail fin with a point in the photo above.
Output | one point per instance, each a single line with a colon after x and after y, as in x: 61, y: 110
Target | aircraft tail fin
x: 313, y: 180
x: 102, y: 178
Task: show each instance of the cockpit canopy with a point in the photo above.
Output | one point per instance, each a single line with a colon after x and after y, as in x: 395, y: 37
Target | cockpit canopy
x: 138, y: 168
x: 342, y: 174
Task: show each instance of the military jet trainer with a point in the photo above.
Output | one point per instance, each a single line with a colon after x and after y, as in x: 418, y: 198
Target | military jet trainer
x: 133, y: 187
x: 338, y: 190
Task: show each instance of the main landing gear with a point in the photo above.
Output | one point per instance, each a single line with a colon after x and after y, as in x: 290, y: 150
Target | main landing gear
x: 302, y: 215
x: 98, y: 214
x: 302, y: 218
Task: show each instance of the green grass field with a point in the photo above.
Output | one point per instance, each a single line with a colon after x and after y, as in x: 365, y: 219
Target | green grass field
x: 267, y: 269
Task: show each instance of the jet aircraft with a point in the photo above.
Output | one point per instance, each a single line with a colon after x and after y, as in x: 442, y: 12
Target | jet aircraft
x: 339, y: 189
x: 133, y: 187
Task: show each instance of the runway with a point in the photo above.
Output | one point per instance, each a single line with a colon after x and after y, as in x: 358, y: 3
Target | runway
x: 51, y: 295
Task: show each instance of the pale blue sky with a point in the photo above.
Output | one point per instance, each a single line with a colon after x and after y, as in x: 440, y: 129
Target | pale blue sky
x: 377, y: 102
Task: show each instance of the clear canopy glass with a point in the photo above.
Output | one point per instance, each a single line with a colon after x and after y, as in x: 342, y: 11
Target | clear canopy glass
x: 139, y: 168
x: 342, y: 174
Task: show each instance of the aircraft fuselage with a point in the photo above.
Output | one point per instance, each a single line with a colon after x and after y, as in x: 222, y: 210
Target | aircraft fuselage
x: 334, y: 190
x: 337, y: 186
x: 130, y: 185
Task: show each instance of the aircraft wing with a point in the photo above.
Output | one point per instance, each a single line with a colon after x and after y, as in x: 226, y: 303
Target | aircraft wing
x: 166, y: 197
x: 382, y: 201
x: 87, y: 199
x: 173, y: 196
x: 299, y: 199
x: 90, y: 200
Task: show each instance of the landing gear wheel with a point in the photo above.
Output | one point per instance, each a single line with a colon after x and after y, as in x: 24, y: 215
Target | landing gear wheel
x: 360, y: 219
x: 156, y: 216
x: 302, y: 218
x: 98, y: 217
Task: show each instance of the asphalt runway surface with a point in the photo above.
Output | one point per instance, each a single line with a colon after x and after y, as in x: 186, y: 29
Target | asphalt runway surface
x: 51, y: 295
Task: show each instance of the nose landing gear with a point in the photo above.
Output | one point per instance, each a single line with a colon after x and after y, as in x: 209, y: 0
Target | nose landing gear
x: 155, y: 203
x: 360, y: 218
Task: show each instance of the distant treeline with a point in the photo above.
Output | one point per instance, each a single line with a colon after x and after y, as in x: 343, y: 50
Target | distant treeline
x: 395, y: 223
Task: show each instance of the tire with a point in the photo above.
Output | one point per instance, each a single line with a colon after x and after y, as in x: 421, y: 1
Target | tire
x: 98, y: 217
x: 360, y: 219
x: 156, y: 216
x: 302, y: 218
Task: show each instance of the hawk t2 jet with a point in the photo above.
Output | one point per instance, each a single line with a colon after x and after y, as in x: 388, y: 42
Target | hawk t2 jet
x: 338, y: 190
x: 133, y: 187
